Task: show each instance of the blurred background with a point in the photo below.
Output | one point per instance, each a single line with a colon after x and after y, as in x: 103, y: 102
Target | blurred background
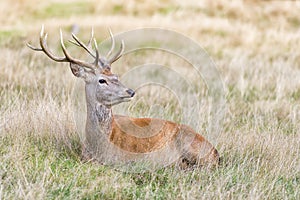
x: 256, y: 48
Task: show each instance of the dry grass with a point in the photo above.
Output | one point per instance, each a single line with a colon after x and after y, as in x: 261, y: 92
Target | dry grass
x: 256, y: 48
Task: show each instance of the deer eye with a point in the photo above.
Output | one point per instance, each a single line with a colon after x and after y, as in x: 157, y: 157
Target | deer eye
x: 102, y: 81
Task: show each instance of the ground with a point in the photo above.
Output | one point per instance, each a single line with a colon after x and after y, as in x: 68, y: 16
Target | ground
x: 255, y: 46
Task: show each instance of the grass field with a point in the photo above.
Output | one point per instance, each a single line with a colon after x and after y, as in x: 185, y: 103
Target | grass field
x: 255, y: 45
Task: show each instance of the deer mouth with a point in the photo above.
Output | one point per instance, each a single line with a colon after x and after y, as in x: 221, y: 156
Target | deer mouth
x: 118, y: 101
x: 127, y: 98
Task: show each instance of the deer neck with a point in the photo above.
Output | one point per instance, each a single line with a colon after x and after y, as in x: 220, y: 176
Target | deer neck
x: 98, y: 125
x: 99, y: 117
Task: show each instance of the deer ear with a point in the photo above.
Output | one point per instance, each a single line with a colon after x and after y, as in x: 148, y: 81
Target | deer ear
x: 78, y: 71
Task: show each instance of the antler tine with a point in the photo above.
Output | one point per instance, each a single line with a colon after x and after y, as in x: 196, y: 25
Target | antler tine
x: 43, y: 43
x: 89, y: 44
x: 69, y: 58
x: 74, y: 42
x: 97, y: 53
x: 81, y: 44
x: 112, y: 44
x: 118, y: 54
x: 34, y: 48
x: 44, y: 47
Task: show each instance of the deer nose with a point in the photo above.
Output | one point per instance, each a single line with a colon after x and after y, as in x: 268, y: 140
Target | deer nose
x: 130, y: 92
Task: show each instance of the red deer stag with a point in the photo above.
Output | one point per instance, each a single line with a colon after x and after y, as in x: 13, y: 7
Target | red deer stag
x: 115, y: 139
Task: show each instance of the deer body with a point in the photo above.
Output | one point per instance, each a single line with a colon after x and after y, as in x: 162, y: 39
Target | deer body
x: 115, y: 139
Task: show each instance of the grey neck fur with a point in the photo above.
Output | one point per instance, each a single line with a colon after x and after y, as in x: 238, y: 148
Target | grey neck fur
x: 98, y: 115
x: 98, y: 126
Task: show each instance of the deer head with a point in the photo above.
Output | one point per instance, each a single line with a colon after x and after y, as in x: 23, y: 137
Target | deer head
x: 102, y: 85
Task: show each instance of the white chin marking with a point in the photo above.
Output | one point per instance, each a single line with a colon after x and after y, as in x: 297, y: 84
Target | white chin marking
x: 121, y: 101
x: 127, y: 99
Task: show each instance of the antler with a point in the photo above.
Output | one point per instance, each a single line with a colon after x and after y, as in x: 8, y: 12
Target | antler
x: 118, y: 54
x: 79, y: 43
x: 112, y: 39
x: 110, y: 60
x: 68, y: 57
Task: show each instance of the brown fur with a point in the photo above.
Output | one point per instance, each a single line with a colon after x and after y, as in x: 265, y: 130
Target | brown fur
x: 135, y: 140
x: 131, y: 136
x: 144, y: 135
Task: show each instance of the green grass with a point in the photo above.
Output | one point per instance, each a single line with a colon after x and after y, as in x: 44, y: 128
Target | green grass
x: 258, y: 61
x: 168, y: 10
x: 57, y: 171
x: 64, y: 10
x: 11, y: 37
